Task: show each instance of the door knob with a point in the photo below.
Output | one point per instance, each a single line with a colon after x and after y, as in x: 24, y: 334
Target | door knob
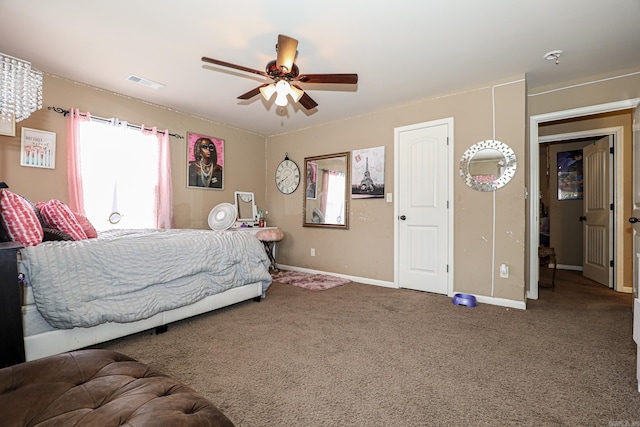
x: 633, y: 220
x: 583, y: 218
x: 402, y: 217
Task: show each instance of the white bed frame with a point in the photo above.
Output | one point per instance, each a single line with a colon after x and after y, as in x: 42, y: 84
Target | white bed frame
x: 62, y: 340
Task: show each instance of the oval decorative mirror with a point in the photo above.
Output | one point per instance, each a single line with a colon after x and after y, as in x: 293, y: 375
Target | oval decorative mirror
x: 488, y: 165
x: 326, y: 191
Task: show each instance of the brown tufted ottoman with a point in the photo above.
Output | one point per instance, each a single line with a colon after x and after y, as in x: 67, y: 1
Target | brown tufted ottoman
x: 99, y: 388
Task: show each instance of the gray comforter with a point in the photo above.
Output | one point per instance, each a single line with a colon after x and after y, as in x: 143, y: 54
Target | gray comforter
x: 128, y: 275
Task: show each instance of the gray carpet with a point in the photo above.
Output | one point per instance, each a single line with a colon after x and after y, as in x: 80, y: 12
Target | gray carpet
x: 361, y: 355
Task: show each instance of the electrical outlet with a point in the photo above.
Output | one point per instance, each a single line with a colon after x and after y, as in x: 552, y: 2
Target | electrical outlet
x: 504, y: 271
x: 313, y: 252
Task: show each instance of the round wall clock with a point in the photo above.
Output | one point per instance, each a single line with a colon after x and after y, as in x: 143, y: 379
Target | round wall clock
x: 287, y: 175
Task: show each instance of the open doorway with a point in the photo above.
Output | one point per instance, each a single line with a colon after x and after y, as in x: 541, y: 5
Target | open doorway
x: 576, y: 203
x: 537, y: 131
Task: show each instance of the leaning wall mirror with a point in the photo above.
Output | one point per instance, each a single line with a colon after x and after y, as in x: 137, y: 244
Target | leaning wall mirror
x: 488, y: 165
x: 327, y: 191
x: 245, y: 202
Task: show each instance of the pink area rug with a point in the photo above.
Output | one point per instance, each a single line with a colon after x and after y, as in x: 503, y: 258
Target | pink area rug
x: 313, y: 282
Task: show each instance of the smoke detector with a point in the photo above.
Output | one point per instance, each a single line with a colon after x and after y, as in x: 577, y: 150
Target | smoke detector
x: 554, y: 55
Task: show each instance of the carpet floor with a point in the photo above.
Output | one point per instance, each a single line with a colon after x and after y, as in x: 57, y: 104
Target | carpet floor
x: 363, y: 355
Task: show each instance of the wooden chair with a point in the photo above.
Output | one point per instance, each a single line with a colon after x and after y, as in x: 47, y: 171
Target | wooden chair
x: 547, y: 256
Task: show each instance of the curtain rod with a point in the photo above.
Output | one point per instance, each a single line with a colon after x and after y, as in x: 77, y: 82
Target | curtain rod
x: 104, y: 120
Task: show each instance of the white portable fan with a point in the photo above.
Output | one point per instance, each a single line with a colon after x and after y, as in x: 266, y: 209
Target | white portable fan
x: 222, y: 217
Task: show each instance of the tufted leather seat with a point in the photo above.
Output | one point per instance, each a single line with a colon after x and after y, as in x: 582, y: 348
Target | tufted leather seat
x: 99, y: 388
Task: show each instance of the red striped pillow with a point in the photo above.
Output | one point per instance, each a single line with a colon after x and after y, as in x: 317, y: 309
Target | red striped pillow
x: 59, y: 216
x: 86, y: 225
x: 19, y: 219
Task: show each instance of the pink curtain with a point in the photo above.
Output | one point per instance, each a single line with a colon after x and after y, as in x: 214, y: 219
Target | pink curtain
x: 164, y: 191
x: 76, y: 199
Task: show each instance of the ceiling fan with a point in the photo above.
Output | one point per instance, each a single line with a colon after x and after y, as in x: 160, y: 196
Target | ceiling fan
x: 285, y: 75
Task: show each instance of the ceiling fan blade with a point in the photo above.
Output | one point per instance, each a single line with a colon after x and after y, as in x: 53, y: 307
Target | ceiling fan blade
x: 328, y: 78
x: 307, y: 102
x: 252, y: 92
x: 287, y: 48
x: 234, y: 66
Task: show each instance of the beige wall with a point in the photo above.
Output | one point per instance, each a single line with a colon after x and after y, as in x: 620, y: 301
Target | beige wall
x: 596, y: 90
x: 244, y: 151
x: 367, y: 248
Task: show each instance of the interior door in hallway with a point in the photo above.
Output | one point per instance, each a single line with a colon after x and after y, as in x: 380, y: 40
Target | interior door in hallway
x: 635, y: 214
x: 422, y: 221
x: 597, y: 213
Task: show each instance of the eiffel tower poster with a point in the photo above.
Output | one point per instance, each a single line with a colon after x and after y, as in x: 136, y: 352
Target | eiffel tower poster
x: 367, y: 173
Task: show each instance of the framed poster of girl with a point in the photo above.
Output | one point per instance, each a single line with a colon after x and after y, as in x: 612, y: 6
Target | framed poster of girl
x: 205, y: 161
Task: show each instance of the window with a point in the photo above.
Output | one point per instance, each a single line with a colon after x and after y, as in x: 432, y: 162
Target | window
x: 119, y: 167
x: 335, y: 201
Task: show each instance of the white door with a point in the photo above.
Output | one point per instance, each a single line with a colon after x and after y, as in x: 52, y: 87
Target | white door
x: 597, y: 213
x: 422, y: 216
x: 635, y: 220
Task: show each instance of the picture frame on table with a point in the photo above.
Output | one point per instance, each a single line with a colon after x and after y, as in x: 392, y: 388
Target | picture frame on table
x: 38, y: 148
x: 205, y: 162
x: 8, y: 125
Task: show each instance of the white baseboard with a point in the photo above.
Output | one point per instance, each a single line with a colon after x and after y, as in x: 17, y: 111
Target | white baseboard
x: 567, y: 267
x: 479, y: 298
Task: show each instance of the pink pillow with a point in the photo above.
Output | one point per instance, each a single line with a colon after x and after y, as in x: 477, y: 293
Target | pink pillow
x: 59, y: 216
x: 86, y: 225
x: 19, y: 219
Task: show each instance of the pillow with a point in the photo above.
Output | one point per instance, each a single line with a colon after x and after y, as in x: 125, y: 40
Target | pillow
x: 19, y: 219
x: 51, y: 234
x: 59, y: 216
x: 86, y: 225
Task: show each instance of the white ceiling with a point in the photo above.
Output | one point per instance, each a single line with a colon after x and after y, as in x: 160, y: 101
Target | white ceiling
x: 402, y: 51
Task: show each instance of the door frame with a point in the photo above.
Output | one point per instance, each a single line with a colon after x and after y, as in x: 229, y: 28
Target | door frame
x: 534, y: 178
x: 396, y: 189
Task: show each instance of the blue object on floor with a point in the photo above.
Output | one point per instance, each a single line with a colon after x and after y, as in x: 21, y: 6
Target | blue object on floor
x: 464, y: 299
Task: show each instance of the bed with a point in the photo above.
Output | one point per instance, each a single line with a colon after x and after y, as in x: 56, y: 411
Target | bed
x: 81, y: 293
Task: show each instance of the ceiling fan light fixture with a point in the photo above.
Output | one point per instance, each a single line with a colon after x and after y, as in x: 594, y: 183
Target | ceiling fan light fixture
x: 296, y: 93
x: 268, y: 91
x: 283, y: 88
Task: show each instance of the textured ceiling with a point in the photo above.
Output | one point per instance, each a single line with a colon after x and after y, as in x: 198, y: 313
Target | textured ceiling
x: 402, y: 51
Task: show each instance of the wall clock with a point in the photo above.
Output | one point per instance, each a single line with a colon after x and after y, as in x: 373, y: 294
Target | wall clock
x: 287, y: 175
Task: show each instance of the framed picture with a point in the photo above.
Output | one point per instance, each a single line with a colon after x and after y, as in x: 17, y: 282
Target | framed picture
x: 367, y: 173
x: 38, y: 148
x: 570, y: 178
x: 312, y: 179
x: 205, y: 161
x: 8, y: 125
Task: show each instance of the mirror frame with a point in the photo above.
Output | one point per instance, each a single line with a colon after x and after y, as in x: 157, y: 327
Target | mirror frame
x: 502, y: 180
x: 237, y: 197
x: 347, y: 190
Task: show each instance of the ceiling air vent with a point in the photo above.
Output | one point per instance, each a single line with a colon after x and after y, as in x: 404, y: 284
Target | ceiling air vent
x: 145, y: 82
